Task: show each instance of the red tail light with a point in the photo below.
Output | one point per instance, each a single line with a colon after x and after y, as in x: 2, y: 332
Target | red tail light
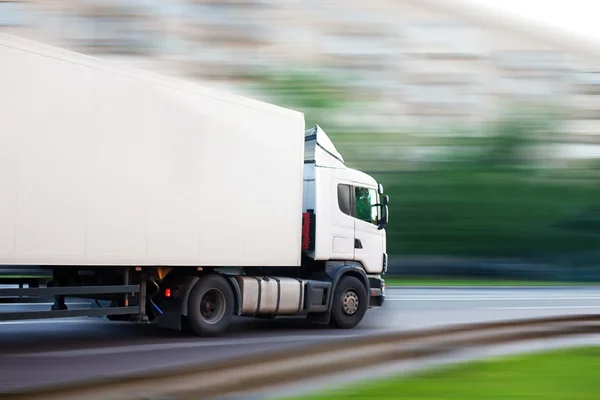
x: 167, y: 292
x: 308, y: 230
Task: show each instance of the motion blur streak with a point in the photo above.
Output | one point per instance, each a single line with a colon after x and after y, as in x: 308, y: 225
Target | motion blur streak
x: 483, y: 129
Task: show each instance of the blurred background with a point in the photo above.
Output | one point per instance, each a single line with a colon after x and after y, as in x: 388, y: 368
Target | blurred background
x: 483, y: 128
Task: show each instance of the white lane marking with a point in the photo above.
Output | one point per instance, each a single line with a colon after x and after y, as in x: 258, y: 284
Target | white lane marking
x: 171, y: 346
x: 466, y: 298
x: 539, y: 308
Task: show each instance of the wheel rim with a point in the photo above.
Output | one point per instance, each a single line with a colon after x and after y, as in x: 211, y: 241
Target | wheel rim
x: 212, y: 306
x: 350, y: 302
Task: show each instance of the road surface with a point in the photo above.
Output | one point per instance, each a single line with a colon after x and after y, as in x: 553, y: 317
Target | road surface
x: 50, y: 351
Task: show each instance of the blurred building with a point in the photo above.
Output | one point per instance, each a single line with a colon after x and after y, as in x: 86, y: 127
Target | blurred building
x: 416, y: 63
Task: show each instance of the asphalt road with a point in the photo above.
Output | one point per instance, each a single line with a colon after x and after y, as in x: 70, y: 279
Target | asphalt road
x: 41, y: 352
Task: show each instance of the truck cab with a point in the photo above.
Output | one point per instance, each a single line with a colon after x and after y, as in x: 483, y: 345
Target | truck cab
x: 348, y: 208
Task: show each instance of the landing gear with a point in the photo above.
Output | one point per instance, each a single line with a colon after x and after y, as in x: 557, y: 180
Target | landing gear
x: 350, y: 303
x: 59, y: 303
x: 59, y: 300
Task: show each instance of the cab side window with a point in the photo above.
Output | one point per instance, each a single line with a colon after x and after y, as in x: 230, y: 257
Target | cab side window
x: 366, y: 205
x: 345, y: 199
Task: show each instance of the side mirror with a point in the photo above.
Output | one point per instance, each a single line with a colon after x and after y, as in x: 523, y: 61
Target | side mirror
x: 385, y: 213
x: 380, y: 188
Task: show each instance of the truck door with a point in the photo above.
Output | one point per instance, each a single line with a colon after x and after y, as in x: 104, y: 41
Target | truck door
x: 342, y: 222
x: 368, y: 239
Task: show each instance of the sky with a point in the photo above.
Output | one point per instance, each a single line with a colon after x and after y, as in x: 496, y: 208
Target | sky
x: 580, y: 17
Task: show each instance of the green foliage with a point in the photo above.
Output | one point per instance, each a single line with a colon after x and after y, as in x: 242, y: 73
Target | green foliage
x: 464, y: 213
x: 304, y: 91
x: 491, y: 201
x: 483, y: 195
x: 556, y: 375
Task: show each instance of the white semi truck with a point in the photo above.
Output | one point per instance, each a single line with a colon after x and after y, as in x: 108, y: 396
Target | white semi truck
x: 175, y: 204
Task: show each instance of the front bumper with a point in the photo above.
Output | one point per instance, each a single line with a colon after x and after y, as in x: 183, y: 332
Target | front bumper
x: 377, y: 292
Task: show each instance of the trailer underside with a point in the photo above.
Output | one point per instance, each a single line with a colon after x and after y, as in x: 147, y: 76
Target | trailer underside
x: 204, y: 300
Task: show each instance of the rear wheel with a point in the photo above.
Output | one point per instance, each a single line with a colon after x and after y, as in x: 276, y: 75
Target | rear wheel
x: 350, y: 303
x: 210, y: 306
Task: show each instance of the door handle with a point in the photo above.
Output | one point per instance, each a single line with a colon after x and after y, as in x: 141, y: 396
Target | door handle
x: 357, y: 244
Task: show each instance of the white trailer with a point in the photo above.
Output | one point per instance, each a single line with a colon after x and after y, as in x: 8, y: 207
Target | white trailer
x: 181, y: 205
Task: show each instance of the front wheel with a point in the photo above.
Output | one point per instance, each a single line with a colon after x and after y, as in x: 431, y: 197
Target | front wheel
x: 210, y: 307
x: 350, y: 303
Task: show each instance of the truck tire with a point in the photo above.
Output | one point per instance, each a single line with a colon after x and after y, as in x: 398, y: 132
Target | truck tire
x: 210, y: 306
x: 350, y: 303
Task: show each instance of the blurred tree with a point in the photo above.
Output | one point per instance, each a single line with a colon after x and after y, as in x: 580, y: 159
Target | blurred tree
x: 305, y: 91
x: 483, y: 195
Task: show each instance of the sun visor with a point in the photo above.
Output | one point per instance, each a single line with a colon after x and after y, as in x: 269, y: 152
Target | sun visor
x: 319, y: 149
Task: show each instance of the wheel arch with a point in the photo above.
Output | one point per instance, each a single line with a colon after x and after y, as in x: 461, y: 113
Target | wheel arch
x: 356, y: 269
x: 338, y: 270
